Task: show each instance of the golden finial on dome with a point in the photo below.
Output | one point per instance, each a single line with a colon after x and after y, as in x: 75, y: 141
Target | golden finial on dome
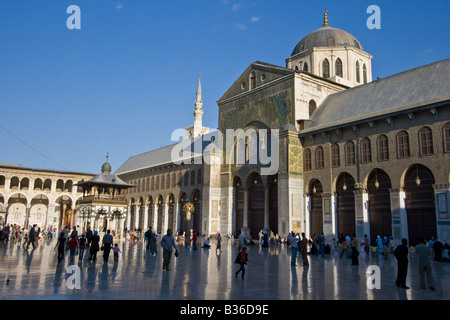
x: 325, y: 17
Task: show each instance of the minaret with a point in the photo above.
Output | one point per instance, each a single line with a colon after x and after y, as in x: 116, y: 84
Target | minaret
x: 197, y: 129
x: 198, y: 111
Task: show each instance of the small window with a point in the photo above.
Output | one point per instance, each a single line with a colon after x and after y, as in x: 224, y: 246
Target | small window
x: 383, y: 148
x: 192, y: 178
x: 366, y: 151
x: 364, y: 73
x: 425, y: 141
x: 349, y: 149
x: 335, y: 158
x: 253, y: 80
x: 307, y: 159
x: 403, y: 145
x: 447, y: 137
x: 186, y: 178
x: 312, y: 106
x: 305, y: 67
x: 326, y: 68
x: 319, y: 158
x: 199, y: 176
x: 339, y: 68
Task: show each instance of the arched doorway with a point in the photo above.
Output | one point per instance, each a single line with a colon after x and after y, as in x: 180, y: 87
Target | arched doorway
x: 238, y: 204
x: 256, y: 205
x: 345, y: 204
x: 420, y: 206
x: 316, y: 209
x: 380, y: 217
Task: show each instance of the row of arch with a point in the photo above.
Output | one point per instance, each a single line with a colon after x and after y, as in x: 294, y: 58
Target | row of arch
x: 16, y: 183
x: 403, y: 148
x: 419, y: 203
x: 167, y: 181
x: 165, y: 211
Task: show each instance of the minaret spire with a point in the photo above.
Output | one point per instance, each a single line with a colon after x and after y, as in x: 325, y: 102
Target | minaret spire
x: 198, y: 100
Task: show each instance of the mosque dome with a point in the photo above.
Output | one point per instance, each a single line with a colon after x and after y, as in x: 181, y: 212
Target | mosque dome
x: 106, y: 167
x: 327, y: 36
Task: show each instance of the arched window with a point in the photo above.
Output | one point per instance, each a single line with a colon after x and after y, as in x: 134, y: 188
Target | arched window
x: 403, y: 145
x: 366, y: 151
x: 349, y: 150
x: 335, y: 158
x: 186, y: 178
x: 199, y: 176
x: 168, y: 181
x: 253, y: 80
x: 339, y: 68
x: 305, y: 67
x: 319, y: 158
x: 425, y: 141
x: 174, y: 180
x: 358, y: 76
x: 307, y: 159
x: 192, y: 178
x: 364, y: 73
x: 312, y: 106
x: 157, y: 183
x: 326, y: 68
x: 447, y: 137
x: 383, y: 148
x: 152, y: 185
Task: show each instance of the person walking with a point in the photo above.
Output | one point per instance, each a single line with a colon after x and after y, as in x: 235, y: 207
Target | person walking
x: 116, y: 251
x: 194, y: 240
x: 107, y: 244
x: 81, y: 246
x: 242, y: 259
x: 73, y: 245
x: 304, y: 250
x: 321, y: 243
x: 32, y: 237
x: 89, y: 235
x: 61, y: 245
x: 294, y: 246
x: 94, y: 247
x: 168, y: 244
x: 219, y: 243
x: 355, y: 252
x: 424, y: 255
x: 401, y: 254
x: 152, y: 242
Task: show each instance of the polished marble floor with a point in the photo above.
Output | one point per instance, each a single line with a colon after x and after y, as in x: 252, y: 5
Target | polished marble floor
x: 203, y: 274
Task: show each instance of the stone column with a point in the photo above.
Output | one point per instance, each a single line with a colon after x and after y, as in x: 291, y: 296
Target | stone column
x: 266, y: 208
x: 399, y: 215
x: 360, y: 212
x: 245, y: 228
x: 165, y: 221
x: 145, y: 227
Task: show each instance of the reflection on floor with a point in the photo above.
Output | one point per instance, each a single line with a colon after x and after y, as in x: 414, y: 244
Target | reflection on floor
x: 203, y: 274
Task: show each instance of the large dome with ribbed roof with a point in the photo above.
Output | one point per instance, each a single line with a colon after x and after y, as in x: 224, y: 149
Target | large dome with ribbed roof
x: 327, y: 36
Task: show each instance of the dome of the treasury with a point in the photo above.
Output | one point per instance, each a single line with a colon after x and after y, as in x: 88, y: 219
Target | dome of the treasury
x: 327, y: 36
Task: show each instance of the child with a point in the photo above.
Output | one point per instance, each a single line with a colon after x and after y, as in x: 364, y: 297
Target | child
x: 242, y: 260
x: 116, y: 251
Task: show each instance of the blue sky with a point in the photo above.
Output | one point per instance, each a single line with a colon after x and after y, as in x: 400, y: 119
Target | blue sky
x: 128, y: 78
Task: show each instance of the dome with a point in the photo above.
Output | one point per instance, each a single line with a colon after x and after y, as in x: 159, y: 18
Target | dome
x: 106, y: 167
x: 327, y: 36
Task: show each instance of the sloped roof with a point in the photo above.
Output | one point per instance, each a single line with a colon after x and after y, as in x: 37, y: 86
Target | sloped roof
x: 161, y: 156
x: 417, y: 87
